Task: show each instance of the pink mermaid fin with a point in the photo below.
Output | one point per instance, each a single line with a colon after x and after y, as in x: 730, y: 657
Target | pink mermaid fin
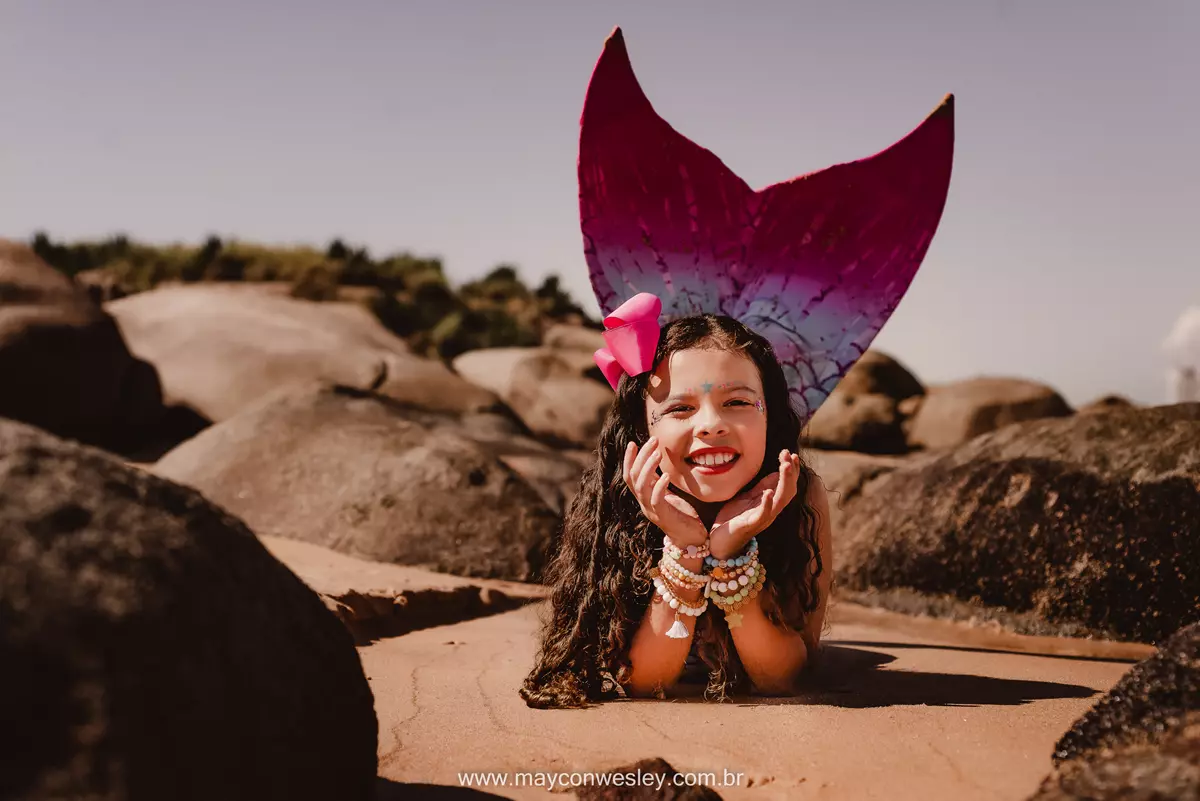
x: 816, y: 264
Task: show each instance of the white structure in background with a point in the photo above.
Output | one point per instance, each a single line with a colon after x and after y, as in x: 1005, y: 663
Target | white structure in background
x: 1183, y: 352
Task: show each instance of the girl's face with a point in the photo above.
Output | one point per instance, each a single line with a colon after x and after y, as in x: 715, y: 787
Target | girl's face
x: 706, y: 407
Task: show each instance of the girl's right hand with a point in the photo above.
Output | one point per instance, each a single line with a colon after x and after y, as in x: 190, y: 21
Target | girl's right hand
x: 663, y: 508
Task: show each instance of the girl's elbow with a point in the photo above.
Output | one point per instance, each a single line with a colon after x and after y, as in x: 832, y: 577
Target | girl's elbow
x: 785, y: 681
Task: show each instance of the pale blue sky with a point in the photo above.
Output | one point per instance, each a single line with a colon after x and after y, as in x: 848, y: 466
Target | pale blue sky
x: 1065, y: 254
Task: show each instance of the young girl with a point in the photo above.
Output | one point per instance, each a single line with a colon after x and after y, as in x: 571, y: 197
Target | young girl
x: 717, y: 389
x: 698, y: 547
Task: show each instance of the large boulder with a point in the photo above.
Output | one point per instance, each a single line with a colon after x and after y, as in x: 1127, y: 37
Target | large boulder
x: 220, y: 348
x: 152, y: 648
x: 845, y: 474
x: 63, y: 364
x: 1142, y: 739
x: 952, y: 414
x: 862, y: 413
x: 1087, y: 520
x: 364, y: 475
x: 545, y: 387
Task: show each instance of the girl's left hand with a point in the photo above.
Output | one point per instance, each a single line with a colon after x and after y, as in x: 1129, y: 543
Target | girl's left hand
x: 750, y: 513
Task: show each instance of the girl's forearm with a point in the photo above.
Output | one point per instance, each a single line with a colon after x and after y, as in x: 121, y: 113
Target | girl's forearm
x: 656, y: 659
x: 772, y: 656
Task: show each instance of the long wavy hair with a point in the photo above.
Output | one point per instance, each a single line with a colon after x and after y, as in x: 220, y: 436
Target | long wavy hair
x: 599, y: 571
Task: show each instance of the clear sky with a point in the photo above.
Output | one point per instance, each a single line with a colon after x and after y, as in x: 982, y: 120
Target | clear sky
x: 1066, y: 252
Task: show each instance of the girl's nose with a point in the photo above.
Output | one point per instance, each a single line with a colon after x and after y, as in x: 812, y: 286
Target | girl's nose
x: 710, y: 422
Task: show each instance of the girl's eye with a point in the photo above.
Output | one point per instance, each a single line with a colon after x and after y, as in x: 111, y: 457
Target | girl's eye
x: 737, y: 402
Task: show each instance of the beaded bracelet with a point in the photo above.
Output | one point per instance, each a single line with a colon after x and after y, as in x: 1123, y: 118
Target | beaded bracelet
x: 693, y: 551
x: 671, y: 564
x: 735, y: 584
x: 678, y: 630
x: 676, y: 581
x: 732, y: 603
x: 751, y: 550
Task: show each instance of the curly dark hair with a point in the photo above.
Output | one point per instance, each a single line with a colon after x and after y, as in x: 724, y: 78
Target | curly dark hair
x: 599, y: 569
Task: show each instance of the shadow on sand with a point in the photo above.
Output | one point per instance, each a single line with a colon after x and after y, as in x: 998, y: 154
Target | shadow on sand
x: 853, y: 678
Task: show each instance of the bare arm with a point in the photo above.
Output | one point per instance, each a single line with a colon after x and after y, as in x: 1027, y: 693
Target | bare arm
x: 773, y: 656
x: 656, y: 659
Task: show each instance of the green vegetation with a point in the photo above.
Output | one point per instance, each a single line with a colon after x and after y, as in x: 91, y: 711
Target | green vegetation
x: 409, y: 294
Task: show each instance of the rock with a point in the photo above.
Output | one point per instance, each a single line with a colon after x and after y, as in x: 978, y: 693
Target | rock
x: 1153, y: 698
x: 862, y: 413
x: 364, y: 475
x: 375, y: 600
x: 1142, y: 739
x: 846, y: 473
x: 864, y: 423
x: 220, y: 348
x: 955, y: 413
x: 573, y: 338
x: 63, y: 364
x: 1169, y: 771
x: 553, y: 473
x: 545, y: 388
x: 152, y: 648
x: 1086, y: 520
x: 876, y: 373
x: 102, y: 285
x: 1105, y: 403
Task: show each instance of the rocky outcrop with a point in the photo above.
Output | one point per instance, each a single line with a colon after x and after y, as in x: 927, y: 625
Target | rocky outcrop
x: 1142, y: 739
x: 63, y: 364
x: 370, y: 477
x: 221, y: 348
x: 1107, y: 403
x: 546, y: 388
x: 376, y: 600
x: 862, y: 413
x: 152, y: 648
x: 952, y: 414
x: 1087, y: 520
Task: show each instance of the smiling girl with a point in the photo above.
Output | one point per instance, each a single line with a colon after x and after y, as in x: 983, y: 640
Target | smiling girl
x: 697, y: 452
x: 698, y: 548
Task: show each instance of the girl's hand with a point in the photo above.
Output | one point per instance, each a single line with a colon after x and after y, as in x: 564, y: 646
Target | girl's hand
x: 748, y: 514
x: 663, y: 508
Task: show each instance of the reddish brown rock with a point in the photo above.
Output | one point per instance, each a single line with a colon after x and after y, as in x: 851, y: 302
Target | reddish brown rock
x: 221, y: 348
x: 863, y: 412
x: 1083, y: 521
x: 364, y: 475
x: 952, y: 414
x: 151, y: 647
x: 546, y: 388
x: 63, y: 364
x: 1142, y: 739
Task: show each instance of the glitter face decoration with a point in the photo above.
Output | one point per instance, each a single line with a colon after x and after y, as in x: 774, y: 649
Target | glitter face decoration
x: 706, y: 388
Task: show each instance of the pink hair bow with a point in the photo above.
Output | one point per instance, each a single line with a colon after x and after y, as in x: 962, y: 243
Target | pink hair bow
x: 632, y: 338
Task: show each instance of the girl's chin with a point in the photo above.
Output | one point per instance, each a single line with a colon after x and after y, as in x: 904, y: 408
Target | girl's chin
x: 709, y: 491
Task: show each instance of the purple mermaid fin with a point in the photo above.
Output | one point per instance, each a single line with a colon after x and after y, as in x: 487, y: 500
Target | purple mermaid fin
x: 816, y: 264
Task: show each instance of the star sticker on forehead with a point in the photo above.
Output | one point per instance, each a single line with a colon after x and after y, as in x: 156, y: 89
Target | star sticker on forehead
x: 707, y: 387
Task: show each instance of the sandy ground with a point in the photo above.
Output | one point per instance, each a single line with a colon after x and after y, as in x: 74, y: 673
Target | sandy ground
x: 902, y: 709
